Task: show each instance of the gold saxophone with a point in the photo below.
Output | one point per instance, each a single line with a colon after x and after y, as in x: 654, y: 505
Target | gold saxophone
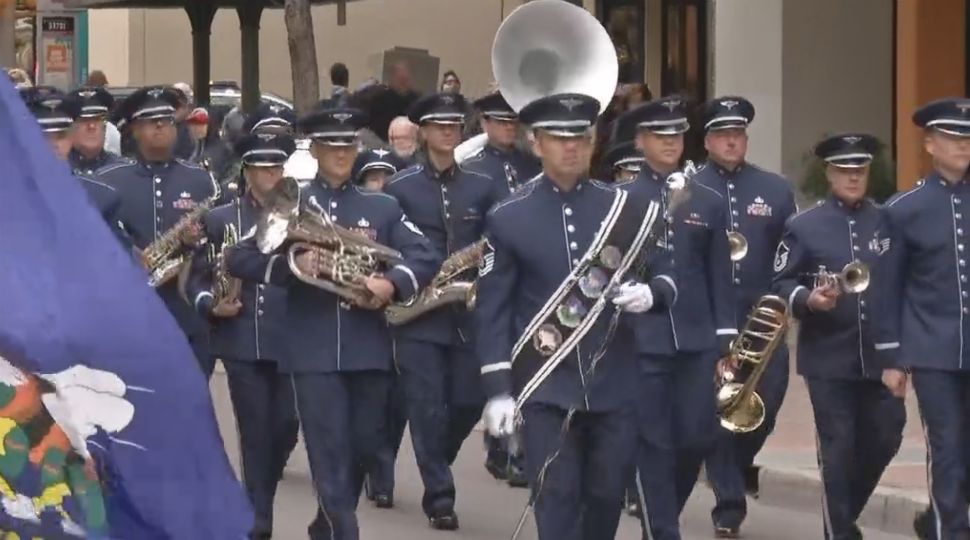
x: 739, y: 407
x: 225, y: 288
x: 345, y: 257
x: 445, y: 288
x: 161, y: 258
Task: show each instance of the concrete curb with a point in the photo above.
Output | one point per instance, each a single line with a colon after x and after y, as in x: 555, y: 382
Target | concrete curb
x: 890, y: 510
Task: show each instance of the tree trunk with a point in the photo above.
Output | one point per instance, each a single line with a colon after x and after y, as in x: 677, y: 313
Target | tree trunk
x: 303, y: 54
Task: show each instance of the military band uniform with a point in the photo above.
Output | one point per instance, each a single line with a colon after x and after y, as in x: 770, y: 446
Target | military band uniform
x: 338, y: 355
x: 154, y: 196
x: 250, y: 345
x: 95, y: 103
x: 923, y: 320
x: 757, y: 204
x: 512, y: 166
x: 677, y: 349
x: 56, y: 112
x: 858, y: 421
x: 435, y: 352
x: 578, y: 427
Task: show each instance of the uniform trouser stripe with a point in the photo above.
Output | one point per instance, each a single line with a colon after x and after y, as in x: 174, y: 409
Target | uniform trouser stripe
x: 643, y: 507
x: 313, y: 480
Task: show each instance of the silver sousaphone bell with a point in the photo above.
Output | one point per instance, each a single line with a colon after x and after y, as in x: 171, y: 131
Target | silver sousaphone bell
x: 548, y: 47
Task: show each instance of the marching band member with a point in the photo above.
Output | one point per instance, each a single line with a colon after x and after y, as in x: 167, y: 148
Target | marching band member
x: 500, y: 159
x: 677, y: 350
x: 858, y: 421
x: 924, y: 302
x: 156, y: 190
x: 247, y: 331
x: 579, y: 426
x: 57, y: 113
x: 757, y: 203
x: 625, y: 161
x: 339, y: 354
x: 435, y: 352
x: 88, y: 153
x: 373, y: 169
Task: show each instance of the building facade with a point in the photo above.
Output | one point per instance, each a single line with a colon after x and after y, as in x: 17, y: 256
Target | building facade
x: 812, y: 67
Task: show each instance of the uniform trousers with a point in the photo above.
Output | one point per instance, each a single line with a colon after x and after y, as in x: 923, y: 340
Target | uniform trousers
x: 577, y: 471
x: 262, y: 400
x: 734, y: 453
x: 200, y: 349
x: 859, y: 427
x: 342, y: 416
x: 677, y: 429
x: 444, y: 403
x: 381, y: 478
x: 944, y: 404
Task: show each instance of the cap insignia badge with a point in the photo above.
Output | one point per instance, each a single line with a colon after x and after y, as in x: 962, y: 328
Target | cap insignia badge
x: 729, y: 104
x: 570, y: 103
x: 342, y: 117
x: 851, y: 139
x: 155, y: 93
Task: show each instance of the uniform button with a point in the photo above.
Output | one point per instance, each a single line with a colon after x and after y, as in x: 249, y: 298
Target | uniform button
x: 737, y: 281
x: 446, y: 202
x: 575, y: 262
x: 261, y: 286
x: 261, y: 299
x: 730, y: 185
x: 963, y: 278
x: 737, y: 266
x: 448, y: 215
x: 260, y: 313
x: 734, y: 212
x: 956, y: 200
x: 736, y: 226
x: 966, y: 310
x: 963, y: 262
x: 573, y: 246
x: 855, y: 248
x: 863, y: 316
x: 960, y: 232
x: 570, y: 228
x: 851, y: 222
x: 959, y: 216
x: 855, y: 235
x: 158, y: 180
x: 965, y: 294
x: 158, y: 193
x: 734, y: 199
x: 444, y: 189
x: 333, y: 204
x: 568, y: 211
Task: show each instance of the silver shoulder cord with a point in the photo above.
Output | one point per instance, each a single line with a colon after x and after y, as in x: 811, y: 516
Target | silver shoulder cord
x: 673, y: 195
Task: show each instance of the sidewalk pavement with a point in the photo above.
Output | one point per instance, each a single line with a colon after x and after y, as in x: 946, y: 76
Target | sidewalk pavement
x: 789, y: 474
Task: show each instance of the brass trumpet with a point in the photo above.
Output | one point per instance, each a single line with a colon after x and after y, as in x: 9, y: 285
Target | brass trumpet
x: 739, y: 407
x: 345, y: 259
x: 854, y: 278
x: 739, y: 245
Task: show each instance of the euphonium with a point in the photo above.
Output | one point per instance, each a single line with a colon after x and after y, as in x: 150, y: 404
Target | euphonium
x: 854, y: 278
x: 739, y: 407
x: 161, y: 257
x: 345, y: 258
x: 739, y: 245
x: 225, y: 288
x: 445, y: 288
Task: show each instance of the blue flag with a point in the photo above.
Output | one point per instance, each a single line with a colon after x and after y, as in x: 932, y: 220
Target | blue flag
x: 106, y: 425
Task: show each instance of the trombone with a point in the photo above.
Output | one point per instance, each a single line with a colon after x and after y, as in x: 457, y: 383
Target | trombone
x: 853, y: 279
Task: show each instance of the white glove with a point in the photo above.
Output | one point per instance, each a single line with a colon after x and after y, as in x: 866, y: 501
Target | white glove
x: 634, y: 297
x: 500, y: 416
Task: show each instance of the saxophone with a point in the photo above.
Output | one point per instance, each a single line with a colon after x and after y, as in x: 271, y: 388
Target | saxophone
x: 444, y: 288
x: 225, y: 288
x: 161, y: 258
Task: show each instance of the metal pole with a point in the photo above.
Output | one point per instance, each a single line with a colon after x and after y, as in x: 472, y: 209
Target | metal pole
x: 201, y: 13
x: 249, y: 16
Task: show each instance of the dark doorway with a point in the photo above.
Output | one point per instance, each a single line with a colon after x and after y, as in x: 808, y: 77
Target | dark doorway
x: 625, y: 20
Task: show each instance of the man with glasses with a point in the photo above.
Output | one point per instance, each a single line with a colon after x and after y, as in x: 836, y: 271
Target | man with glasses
x: 156, y: 190
x: 88, y: 153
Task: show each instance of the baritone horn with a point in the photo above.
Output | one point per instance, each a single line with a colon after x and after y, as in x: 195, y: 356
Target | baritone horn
x: 854, y: 278
x: 739, y: 245
x: 739, y: 407
x: 548, y: 47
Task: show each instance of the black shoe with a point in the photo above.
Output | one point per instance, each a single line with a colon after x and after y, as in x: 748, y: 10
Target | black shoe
x: 498, y: 470
x: 751, y: 481
x: 446, y: 520
x: 726, y: 532
x: 516, y: 477
x: 923, y: 525
x: 384, y: 500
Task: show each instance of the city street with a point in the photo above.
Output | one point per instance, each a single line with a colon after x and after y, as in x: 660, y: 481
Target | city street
x: 487, y: 510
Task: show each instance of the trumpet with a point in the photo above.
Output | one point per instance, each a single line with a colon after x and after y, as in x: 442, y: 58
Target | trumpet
x: 853, y: 279
x: 739, y: 245
x: 739, y: 407
x: 345, y: 258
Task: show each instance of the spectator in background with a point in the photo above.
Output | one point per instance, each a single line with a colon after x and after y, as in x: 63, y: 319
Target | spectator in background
x: 203, y: 140
x: 450, y: 83
x: 403, y: 136
x: 392, y: 101
x: 340, y: 79
x: 184, y: 146
x: 96, y: 79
